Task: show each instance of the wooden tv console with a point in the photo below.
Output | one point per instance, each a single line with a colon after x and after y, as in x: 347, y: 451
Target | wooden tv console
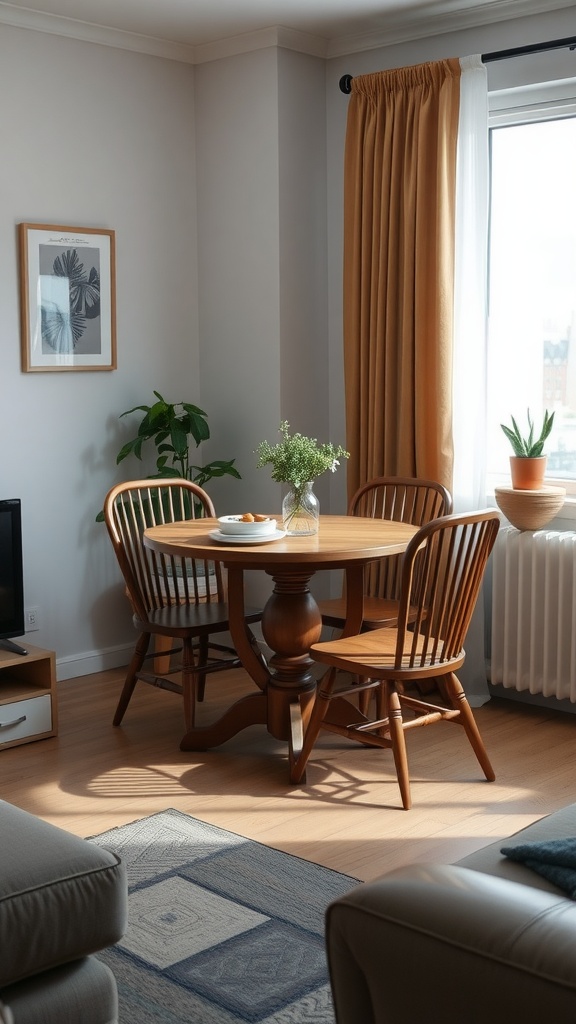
x: 28, y: 704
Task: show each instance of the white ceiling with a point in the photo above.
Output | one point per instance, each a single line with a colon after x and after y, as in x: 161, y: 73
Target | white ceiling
x: 193, y: 26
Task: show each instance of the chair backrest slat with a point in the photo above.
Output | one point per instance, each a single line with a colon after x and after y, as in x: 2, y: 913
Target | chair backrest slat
x: 402, y: 500
x: 442, y: 573
x: 156, y: 580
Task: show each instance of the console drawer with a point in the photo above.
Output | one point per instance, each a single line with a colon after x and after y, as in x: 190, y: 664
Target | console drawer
x: 25, y: 719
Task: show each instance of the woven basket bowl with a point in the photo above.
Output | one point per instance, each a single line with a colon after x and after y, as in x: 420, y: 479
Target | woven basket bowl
x: 529, y: 510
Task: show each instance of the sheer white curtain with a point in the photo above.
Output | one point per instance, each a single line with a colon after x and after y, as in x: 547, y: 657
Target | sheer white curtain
x: 470, y: 325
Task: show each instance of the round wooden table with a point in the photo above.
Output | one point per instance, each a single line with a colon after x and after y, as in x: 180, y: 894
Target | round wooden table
x: 291, y: 621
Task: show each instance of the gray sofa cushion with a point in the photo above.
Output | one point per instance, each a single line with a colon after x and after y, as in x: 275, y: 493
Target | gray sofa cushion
x: 61, y: 898
x: 83, y: 991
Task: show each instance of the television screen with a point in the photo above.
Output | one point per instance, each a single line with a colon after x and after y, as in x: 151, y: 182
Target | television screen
x: 11, y: 574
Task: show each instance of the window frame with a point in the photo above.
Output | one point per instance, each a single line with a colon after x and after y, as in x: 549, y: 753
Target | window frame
x: 525, y: 104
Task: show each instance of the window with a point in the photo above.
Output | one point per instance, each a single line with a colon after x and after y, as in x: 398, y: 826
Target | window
x: 532, y: 280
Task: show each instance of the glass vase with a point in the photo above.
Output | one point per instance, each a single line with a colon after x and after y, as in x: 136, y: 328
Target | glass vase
x: 300, y: 510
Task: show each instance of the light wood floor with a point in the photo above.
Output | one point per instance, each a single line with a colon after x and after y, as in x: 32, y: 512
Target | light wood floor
x: 348, y: 816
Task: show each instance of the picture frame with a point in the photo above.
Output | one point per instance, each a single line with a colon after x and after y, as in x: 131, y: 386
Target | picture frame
x: 67, y: 298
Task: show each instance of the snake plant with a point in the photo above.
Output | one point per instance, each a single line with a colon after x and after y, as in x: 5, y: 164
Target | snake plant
x: 529, y: 447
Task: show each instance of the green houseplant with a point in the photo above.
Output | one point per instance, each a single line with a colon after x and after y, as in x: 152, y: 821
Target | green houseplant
x: 297, y: 460
x: 173, y: 428
x: 529, y: 446
x: 528, y: 463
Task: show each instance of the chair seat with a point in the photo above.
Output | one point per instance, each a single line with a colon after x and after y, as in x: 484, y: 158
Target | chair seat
x: 374, y: 655
x: 178, y: 619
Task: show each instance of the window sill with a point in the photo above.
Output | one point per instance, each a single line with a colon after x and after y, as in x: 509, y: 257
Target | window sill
x: 568, y: 510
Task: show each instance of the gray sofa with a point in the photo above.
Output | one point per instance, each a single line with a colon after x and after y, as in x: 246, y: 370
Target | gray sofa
x: 483, y: 941
x: 61, y: 900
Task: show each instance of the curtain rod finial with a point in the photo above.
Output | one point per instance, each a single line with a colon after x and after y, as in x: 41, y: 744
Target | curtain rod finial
x: 345, y: 84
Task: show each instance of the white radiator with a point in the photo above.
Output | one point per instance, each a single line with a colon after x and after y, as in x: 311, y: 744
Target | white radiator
x: 534, y: 612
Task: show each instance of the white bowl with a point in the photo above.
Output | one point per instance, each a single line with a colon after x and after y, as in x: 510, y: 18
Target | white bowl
x: 234, y: 525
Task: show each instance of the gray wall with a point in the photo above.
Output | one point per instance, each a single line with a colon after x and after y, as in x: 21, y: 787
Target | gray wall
x: 93, y: 137
x: 261, y: 159
x: 223, y: 183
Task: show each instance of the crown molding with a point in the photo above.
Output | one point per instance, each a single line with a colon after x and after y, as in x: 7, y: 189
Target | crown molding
x: 287, y: 38
x: 442, y: 17
x: 87, y: 32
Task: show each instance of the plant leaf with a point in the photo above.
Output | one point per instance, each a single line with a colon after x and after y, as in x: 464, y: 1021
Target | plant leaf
x: 529, y: 447
x: 196, y: 422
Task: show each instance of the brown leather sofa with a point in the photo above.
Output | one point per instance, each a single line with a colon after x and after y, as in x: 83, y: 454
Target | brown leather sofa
x: 483, y: 941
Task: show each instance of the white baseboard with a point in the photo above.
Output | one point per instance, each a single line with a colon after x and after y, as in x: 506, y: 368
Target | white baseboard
x: 84, y: 664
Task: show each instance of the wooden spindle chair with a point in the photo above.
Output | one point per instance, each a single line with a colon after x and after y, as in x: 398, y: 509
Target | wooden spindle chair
x: 181, y: 599
x: 403, y: 500
x: 442, y: 572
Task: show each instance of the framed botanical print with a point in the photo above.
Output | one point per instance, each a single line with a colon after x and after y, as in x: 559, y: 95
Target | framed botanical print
x: 67, y: 298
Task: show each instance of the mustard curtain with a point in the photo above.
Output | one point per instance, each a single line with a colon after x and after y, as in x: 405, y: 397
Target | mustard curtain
x: 399, y: 212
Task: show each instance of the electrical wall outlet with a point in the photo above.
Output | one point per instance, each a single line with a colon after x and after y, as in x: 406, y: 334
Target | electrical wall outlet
x: 32, y: 619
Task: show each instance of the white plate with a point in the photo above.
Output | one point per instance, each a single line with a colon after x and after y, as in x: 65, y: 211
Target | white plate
x: 238, y: 528
x: 234, y: 538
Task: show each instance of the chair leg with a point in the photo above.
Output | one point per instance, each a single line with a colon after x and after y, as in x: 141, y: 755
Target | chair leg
x: 189, y: 680
x: 382, y: 701
x: 202, y: 660
x: 134, y: 667
x: 398, y: 741
x: 364, y: 697
x: 466, y: 719
x: 162, y: 649
x: 317, y: 716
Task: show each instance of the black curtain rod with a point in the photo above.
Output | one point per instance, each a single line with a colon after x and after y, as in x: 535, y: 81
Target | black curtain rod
x: 569, y: 43
x: 521, y: 51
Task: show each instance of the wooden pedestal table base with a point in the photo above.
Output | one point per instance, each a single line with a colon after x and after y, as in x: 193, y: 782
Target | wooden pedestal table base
x: 291, y: 623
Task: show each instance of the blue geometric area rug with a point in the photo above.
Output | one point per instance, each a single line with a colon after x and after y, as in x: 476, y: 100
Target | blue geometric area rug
x: 221, y: 929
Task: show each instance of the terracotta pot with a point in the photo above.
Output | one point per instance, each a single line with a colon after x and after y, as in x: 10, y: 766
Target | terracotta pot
x: 527, y: 474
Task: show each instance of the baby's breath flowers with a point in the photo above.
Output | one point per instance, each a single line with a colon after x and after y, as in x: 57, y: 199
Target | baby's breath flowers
x: 297, y: 459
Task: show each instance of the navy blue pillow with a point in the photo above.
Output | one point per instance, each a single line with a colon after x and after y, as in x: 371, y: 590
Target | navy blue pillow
x: 554, y: 859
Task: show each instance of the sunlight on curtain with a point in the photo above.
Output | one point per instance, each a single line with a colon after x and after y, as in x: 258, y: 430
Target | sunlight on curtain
x: 414, y: 354
x: 470, y: 324
x: 399, y: 185
x: 470, y: 289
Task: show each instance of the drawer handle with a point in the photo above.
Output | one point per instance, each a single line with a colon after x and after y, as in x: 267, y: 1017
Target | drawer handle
x: 17, y: 721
